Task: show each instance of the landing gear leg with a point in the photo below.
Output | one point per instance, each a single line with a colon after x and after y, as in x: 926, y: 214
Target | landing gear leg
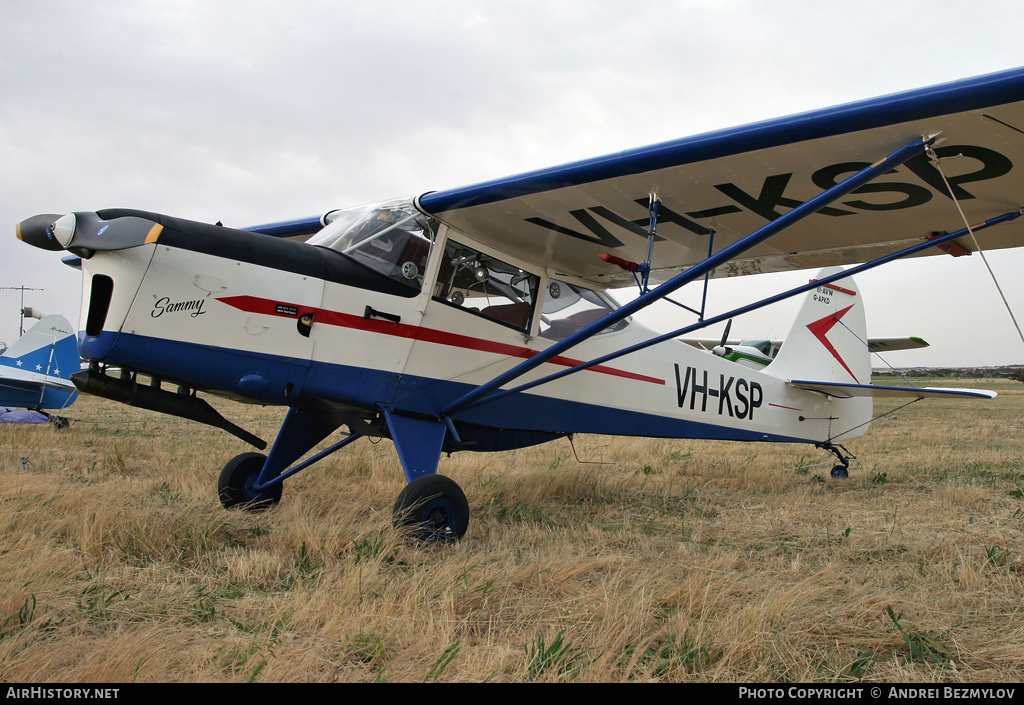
x: 431, y: 507
x: 252, y: 481
x: 839, y: 471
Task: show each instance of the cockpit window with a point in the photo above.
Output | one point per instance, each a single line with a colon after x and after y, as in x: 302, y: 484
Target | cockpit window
x: 486, y: 286
x: 392, y: 238
x: 568, y: 309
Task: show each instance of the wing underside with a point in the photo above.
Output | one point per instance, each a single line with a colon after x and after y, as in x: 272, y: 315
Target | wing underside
x: 734, y: 181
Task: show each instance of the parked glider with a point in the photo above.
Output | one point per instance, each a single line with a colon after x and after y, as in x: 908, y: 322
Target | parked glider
x: 35, y: 372
x: 444, y: 322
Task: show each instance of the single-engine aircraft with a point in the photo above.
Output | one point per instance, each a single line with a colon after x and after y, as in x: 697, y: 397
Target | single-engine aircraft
x: 478, y: 318
x: 35, y: 372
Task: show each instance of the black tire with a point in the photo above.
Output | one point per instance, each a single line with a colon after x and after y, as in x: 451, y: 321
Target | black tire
x: 432, y: 508
x: 840, y: 472
x: 235, y: 485
x: 59, y: 422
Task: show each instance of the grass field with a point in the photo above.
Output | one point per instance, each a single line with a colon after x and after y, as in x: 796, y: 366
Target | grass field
x: 654, y: 560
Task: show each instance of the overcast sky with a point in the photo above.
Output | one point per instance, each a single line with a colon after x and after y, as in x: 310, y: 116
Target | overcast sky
x: 259, y: 111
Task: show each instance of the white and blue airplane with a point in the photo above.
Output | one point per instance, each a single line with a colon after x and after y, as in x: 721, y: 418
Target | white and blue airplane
x: 478, y: 318
x: 35, y: 372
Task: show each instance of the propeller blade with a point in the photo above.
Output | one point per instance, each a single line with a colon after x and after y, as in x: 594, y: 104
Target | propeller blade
x: 37, y: 231
x: 725, y: 335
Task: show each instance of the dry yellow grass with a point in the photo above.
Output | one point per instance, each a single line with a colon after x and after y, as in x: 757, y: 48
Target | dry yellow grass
x: 671, y: 560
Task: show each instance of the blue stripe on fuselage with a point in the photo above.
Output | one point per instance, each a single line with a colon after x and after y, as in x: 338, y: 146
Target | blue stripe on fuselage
x: 219, y: 370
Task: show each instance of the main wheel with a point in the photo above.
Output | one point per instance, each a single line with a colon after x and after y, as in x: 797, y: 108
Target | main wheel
x: 432, y: 508
x: 840, y: 472
x: 236, y: 485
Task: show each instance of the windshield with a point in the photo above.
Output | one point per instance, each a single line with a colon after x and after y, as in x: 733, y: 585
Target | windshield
x: 391, y: 237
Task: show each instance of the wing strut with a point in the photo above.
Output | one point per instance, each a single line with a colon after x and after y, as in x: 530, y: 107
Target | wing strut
x: 798, y: 213
x: 303, y: 427
x: 642, y: 272
x: 652, y: 235
x: 931, y: 242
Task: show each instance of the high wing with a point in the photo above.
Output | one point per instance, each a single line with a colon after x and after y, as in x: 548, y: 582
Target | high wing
x: 737, y: 180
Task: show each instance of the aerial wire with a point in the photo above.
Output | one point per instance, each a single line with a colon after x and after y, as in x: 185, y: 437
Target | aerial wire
x: 936, y: 160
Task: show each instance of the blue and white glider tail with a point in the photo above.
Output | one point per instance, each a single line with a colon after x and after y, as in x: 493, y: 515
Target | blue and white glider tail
x: 35, y: 372
x: 828, y: 342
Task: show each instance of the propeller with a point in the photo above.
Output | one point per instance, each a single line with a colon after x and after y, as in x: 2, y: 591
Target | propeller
x: 720, y: 349
x: 85, y: 233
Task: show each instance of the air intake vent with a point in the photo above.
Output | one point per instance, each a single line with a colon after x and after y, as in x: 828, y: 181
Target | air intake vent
x: 99, y: 304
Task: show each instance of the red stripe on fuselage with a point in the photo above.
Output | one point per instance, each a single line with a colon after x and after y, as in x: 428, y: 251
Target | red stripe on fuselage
x: 255, y: 304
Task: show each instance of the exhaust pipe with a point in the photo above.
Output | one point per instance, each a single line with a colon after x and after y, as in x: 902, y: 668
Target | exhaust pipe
x: 187, y: 406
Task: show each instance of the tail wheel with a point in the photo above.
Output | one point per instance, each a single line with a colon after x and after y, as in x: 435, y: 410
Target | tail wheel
x: 237, y: 484
x: 840, y: 472
x: 432, y: 508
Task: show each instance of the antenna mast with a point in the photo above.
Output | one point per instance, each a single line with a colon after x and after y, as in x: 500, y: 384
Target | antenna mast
x: 22, y: 289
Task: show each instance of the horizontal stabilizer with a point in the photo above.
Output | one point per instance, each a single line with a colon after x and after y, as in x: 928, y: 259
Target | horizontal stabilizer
x: 878, y: 345
x: 845, y: 391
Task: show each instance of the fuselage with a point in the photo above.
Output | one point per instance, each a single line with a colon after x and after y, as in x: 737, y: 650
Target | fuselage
x: 409, y: 320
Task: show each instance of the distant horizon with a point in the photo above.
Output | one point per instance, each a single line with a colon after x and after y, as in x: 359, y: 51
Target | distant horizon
x: 949, y: 367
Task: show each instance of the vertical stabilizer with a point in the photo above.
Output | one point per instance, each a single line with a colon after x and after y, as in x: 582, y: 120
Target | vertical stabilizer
x: 828, y: 342
x: 35, y: 371
x: 49, y: 347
